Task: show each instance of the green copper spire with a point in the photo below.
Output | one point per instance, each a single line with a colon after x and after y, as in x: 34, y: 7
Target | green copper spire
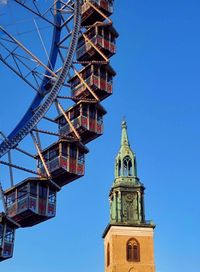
x: 127, y: 193
x: 125, y: 162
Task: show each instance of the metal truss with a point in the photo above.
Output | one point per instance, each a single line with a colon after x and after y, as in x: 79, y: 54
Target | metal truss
x: 42, y: 78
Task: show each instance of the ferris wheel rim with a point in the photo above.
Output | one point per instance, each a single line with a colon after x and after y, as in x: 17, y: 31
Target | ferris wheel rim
x: 24, y: 129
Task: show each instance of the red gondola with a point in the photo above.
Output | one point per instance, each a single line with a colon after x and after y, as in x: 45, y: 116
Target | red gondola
x: 31, y: 201
x: 103, y: 37
x: 65, y: 161
x: 7, y: 236
x: 86, y: 118
x: 99, y: 79
x: 90, y: 15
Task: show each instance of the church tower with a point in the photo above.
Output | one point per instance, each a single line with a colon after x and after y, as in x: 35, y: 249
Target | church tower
x: 128, y: 239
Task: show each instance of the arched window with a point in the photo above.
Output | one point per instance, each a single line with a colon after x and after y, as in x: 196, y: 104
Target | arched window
x: 108, y: 254
x: 129, y: 252
x: 119, y: 168
x: 127, y: 167
x: 133, y: 251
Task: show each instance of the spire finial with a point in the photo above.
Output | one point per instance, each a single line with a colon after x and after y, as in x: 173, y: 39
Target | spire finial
x: 124, y: 136
x: 124, y: 120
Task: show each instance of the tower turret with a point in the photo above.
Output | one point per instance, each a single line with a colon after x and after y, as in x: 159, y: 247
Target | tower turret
x: 127, y: 192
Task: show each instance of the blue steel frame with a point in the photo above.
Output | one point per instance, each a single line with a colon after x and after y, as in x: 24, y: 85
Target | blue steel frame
x: 37, y: 110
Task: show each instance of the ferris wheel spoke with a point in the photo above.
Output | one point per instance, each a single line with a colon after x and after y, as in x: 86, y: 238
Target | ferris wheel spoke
x: 58, y: 8
x: 33, y: 77
x: 65, y: 38
x: 37, y: 144
x: 19, y: 167
x: 17, y: 72
x: 66, y: 21
x: 35, y: 9
x: 23, y: 62
x: 25, y: 152
x: 49, y: 119
x: 67, y: 7
x: 32, y: 56
x: 9, y: 160
x: 52, y: 133
x: 61, y: 109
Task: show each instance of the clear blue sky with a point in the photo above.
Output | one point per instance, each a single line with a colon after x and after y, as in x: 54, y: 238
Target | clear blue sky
x: 157, y: 89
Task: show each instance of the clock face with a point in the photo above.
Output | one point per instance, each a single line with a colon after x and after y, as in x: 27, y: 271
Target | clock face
x: 130, y: 209
x: 129, y: 197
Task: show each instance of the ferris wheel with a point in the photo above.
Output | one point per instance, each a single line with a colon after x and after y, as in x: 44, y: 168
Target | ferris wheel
x: 61, y: 50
